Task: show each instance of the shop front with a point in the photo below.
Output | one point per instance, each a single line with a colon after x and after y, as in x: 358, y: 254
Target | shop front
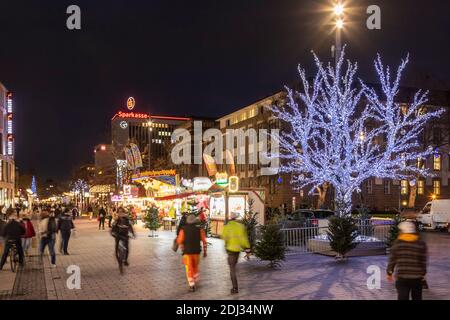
x: 237, y: 202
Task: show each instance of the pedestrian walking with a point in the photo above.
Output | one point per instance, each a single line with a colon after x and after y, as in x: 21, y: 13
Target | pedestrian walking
x: 65, y: 227
x: 101, y: 218
x: 58, y: 212
x: 110, y: 214
x: 408, y: 258
x: 29, y: 233
x: 18, y: 209
x: 189, y: 238
x: 12, y: 233
x: 74, y: 213
x: 47, y: 230
x: 2, y: 228
x: 90, y: 212
x: 10, y: 211
x: 182, y: 222
x: 120, y: 230
x: 236, y: 240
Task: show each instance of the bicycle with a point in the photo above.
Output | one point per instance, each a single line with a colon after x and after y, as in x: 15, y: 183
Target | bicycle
x: 13, y: 256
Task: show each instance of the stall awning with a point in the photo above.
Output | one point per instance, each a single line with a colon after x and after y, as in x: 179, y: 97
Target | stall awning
x: 176, y: 196
x: 102, y: 188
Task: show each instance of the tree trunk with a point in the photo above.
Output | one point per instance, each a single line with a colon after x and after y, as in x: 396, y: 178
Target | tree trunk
x: 412, y: 196
x: 342, y: 203
x: 322, y: 194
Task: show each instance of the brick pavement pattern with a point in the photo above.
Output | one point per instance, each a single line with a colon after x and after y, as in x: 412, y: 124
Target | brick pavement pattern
x: 156, y: 272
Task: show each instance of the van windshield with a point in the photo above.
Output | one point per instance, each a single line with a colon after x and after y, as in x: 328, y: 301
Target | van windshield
x: 427, y: 208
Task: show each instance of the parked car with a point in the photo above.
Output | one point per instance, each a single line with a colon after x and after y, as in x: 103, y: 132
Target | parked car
x: 435, y: 215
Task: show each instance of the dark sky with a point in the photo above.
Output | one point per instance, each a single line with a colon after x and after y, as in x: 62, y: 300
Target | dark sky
x: 178, y: 57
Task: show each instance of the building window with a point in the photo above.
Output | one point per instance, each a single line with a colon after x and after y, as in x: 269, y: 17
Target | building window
x: 437, y: 187
x: 387, y: 186
x: 227, y: 122
x: 437, y: 135
x: 437, y: 162
x: 369, y: 186
x: 420, y: 163
x: 404, y: 187
x: 421, y: 187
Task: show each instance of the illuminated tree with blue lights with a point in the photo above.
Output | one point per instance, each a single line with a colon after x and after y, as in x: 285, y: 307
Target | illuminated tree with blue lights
x: 33, y: 185
x: 343, y: 132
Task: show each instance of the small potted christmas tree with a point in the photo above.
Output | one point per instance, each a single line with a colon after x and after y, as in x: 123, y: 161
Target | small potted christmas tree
x: 250, y: 223
x: 271, y: 246
x: 393, y: 234
x: 342, y: 233
x: 151, y: 220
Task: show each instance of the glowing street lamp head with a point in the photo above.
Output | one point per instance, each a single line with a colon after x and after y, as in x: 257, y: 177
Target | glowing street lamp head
x: 338, y: 9
x: 339, y: 23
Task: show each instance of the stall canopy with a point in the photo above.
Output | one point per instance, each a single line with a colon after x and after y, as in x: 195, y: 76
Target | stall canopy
x: 176, y: 196
x: 102, y: 188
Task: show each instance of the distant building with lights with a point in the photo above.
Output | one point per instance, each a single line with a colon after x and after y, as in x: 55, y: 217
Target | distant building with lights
x: 105, y: 165
x: 377, y: 194
x: 7, y: 166
x: 152, y: 135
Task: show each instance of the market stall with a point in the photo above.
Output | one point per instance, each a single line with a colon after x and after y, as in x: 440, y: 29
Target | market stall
x: 238, y: 202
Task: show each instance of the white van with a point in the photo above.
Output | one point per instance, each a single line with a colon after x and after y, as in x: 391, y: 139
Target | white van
x: 435, y: 215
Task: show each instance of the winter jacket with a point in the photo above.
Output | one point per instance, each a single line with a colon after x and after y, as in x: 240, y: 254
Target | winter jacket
x: 235, y: 236
x: 102, y: 213
x: 65, y: 223
x: 48, y: 227
x: 409, y: 257
x: 121, y: 228
x: 190, y: 237
x: 29, y: 229
x: 182, y: 223
x: 13, y: 230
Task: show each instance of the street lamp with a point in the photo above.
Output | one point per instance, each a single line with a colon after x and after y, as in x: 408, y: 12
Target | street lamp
x: 338, y: 11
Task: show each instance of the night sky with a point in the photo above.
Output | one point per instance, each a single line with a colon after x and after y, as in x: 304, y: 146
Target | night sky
x: 178, y: 57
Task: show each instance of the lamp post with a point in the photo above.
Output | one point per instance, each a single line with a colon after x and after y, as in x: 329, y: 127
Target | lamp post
x: 338, y: 11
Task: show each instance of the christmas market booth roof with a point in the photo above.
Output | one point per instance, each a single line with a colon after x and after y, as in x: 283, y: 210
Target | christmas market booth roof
x: 102, y: 188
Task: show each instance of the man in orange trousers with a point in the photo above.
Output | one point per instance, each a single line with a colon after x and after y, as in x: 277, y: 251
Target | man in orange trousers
x: 189, y: 239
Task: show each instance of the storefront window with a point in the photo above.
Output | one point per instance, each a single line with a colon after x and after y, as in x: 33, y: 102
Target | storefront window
x: 421, y: 187
x: 437, y: 162
x: 404, y: 187
x: 437, y: 187
x: 237, y: 204
x: 217, y: 206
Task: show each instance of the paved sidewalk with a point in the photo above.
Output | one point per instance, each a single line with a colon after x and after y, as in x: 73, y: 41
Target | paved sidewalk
x: 6, y: 282
x: 156, y: 272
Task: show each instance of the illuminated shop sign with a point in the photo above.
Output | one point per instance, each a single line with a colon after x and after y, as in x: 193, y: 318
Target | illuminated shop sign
x: 201, y: 184
x: 221, y: 178
x: 9, y: 102
x: 9, y: 124
x: 233, y: 184
x: 130, y: 103
x: 134, y: 115
x: 123, y: 124
x: 10, y: 145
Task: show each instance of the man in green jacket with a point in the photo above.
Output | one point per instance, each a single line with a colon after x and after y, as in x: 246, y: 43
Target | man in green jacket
x: 236, y: 240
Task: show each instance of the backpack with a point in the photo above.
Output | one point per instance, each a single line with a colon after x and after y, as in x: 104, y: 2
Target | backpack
x: 51, y: 227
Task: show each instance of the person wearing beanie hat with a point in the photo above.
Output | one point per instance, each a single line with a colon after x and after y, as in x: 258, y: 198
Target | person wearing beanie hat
x: 189, y: 238
x: 408, y: 258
